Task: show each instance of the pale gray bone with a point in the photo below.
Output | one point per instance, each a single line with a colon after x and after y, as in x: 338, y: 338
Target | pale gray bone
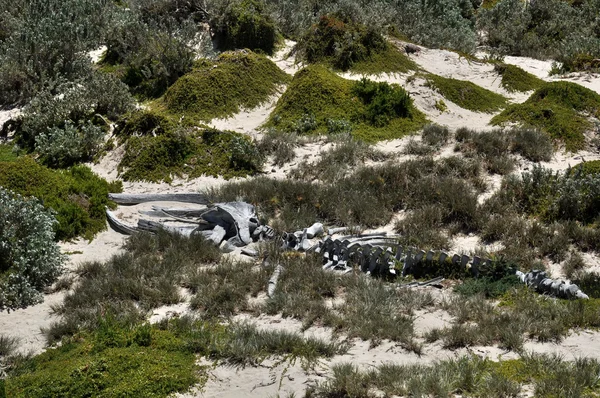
x: 314, y: 230
x: 273, y: 280
x: 419, y: 256
x: 119, y: 225
x: 240, y: 215
x: 218, y: 234
x: 134, y: 199
x: 227, y: 247
x: 333, y: 231
x: 249, y: 252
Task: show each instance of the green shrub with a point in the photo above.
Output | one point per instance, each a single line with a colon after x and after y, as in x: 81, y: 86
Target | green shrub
x: 516, y: 79
x: 346, y: 45
x: 374, y: 109
x: 63, y: 125
x: 77, y: 195
x: 487, y: 287
x: 244, y: 24
x: 235, y: 81
x: 435, y: 135
x: 30, y: 260
x: 466, y: 94
x: 532, y: 144
x: 149, y: 48
x: 48, y: 42
x: 280, y: 145
x: 191, y: 153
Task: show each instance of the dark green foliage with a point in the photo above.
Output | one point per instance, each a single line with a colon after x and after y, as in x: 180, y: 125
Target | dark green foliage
x: 384, y: 102
x: 145, y: 277
x: 144, y: 123
x: 516, y: 79
x: 223, y: 291
x: 435, y: 135
x: 234, y: 81
x: 532, y: 144
x: 185, y: 152
x: 371, y: 194
x: 7, y: 153
x: 466, y: 94
x: 553, y: 196
x: 586, y: 168
x: 566, y: 31
x: 560, y: 109
x: 423, y: 228
x: 320, y: 96
x: 278, y: 144
x: 589, y: 283
x: 346, y: 45
x: 244, y: 24
x: 77, y: 195
x: 334, y: 164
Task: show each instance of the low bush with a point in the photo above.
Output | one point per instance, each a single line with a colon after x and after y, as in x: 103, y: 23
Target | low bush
x: 375, y: 111
x: 532, y: 144
x: 487, y: 287
x: 150, y: 45
x: 112, y: 361
x: 493, y: 147
x: 558, y: 108
x: 76, y: 195
x: 435, y: 135
x: 244, y: 24
x: 466, y: 94
x: 234, y: 81
x: 30, y: 259
x: 65, y: 125
x: 347, y: 45
x: 188, y: 153
x: 280, y: 145
x: 516, y: 79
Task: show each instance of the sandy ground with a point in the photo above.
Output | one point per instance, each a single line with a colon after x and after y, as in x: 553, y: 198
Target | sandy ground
x: 274, y: 378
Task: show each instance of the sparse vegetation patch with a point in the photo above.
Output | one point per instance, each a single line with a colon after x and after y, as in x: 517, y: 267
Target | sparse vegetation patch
x: 466, y: 94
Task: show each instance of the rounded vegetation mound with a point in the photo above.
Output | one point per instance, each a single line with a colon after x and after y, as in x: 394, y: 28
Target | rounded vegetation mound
x: 216, y: 89
x: 318, y: 101
x: 559, y: 108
